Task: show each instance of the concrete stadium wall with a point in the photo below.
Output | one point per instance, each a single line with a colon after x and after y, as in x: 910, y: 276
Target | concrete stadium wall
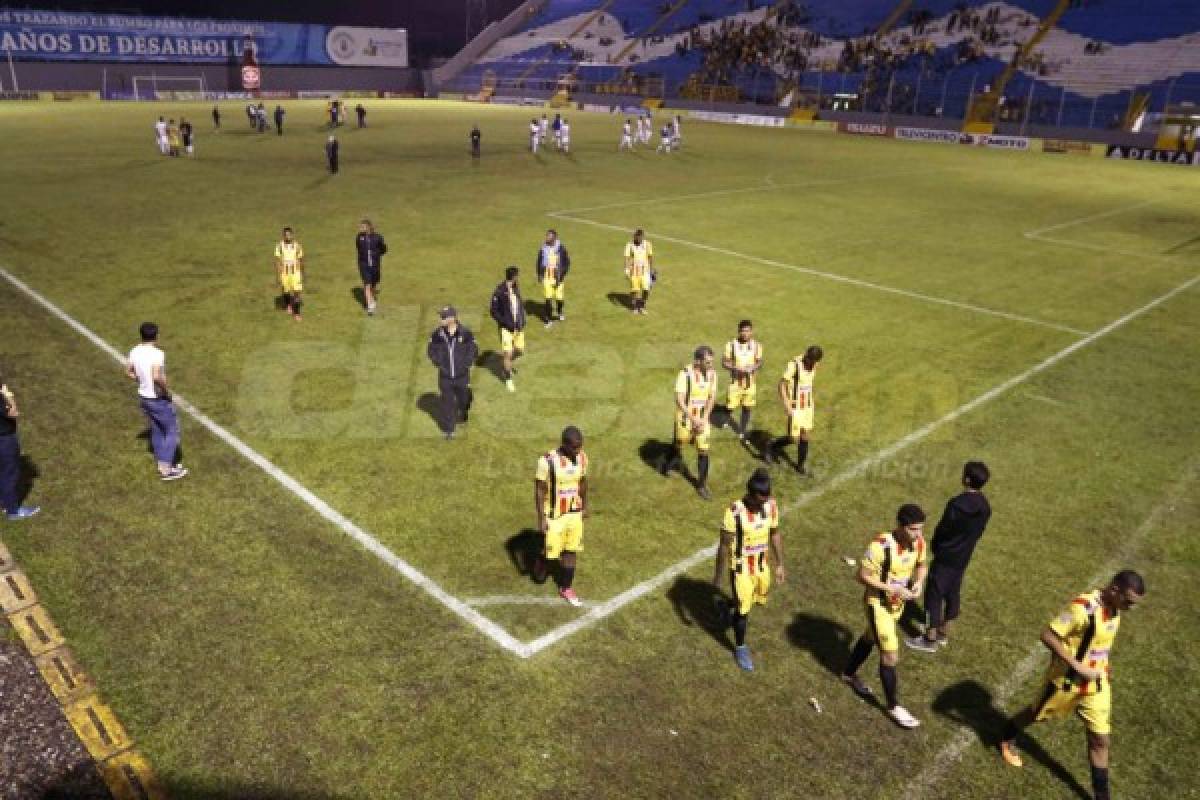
x: 47, y: 76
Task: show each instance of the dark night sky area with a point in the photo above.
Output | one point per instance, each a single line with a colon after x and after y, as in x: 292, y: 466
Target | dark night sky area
x: 435, y: 27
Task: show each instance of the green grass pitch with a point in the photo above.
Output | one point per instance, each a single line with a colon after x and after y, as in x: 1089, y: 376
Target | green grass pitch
x: 253, y: 650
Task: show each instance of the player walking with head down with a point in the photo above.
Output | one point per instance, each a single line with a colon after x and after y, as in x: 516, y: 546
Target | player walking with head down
x: 289, y: 265
x: 534, y: 136
x: 1079, y: 679
x: 695, y: 392
x: 796, y: 391
x: 553, y: 262
x: 893, y: 572
x: 743, y: 358
x: 560, y: 497
x: 639, y: 264
x: 750, y: 528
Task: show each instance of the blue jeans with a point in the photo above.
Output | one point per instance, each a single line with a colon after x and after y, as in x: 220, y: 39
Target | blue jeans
x: 10, y: 472
x: 164, y: 429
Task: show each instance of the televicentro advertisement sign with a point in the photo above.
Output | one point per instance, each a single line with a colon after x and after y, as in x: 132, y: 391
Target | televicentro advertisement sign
x: 64, y: 36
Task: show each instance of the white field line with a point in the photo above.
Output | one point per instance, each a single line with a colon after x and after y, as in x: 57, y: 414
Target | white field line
x: 816, y: 273
x: 949, y: 756
x: 767, y: 185
x: 1099, y: 248
x: 518, y: 600
x: 368, y: 542
x: 611, y: 606
x: 1089, y: 218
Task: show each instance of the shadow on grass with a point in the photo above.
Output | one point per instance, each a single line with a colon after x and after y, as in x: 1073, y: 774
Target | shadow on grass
x: 431, y: 404
x: 360, y: 296
x: 695, y: 602
x: 493, y: 361
x: 827, y: 640
x: 185, y: 789
x: 523, y: 550
x: 536, y: 309
x: 971, y: 704
x: 621, y: 299
x: 657, y: 455
x: 27, y: 475
x: 144, y: 435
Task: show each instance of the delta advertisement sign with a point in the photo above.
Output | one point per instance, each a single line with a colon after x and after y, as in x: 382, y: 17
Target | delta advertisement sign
x: 67, y: 36
x: 1181, y: 157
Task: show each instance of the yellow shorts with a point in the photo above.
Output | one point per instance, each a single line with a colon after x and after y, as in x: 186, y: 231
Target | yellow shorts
x: 750, y: 589
x: 1054, y: 702
x: 564, y: 533
x: 741, y: 396
x: 685, y: 435
x: 511, y: 340
x: 801, y: 420
x: 292, y: 282
x: 639, y: 283
x: 881, y: 621
x: 551, y: 291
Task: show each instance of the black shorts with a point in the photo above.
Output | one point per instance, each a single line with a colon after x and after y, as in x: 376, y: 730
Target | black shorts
x: 943, y: 594
x: 369, y: 275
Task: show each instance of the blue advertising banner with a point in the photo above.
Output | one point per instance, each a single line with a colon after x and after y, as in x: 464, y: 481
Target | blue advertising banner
x: 66, y: 36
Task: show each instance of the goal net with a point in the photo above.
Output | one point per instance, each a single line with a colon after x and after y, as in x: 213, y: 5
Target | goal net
x: 169, y: 87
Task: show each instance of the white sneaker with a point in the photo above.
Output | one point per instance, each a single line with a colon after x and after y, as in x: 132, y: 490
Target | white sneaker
x: 508, y: 384
x: 901, y: 717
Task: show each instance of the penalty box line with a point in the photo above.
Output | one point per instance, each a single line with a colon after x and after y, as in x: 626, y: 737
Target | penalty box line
x: 372, y: 545
x: 605, y: 609
x: 830, y: 276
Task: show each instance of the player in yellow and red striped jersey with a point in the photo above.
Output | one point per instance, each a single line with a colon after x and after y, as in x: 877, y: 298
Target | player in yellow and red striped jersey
x: 560, y: 496
x: 796, y: 391
x: 1079, y: 678
x: 893, y: 572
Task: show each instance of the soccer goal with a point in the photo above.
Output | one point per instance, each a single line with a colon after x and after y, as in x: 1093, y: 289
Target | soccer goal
x: 169, y: 87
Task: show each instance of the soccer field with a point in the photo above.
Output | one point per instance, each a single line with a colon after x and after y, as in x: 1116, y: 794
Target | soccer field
x: 1036, y: 312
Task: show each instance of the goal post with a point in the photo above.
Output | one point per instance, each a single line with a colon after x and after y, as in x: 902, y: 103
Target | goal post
x: 169, y: 87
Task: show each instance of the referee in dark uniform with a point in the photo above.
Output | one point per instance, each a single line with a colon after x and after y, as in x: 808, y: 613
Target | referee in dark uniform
x: 453, y: 350
x: 958, y: 531
x: 371, y: 247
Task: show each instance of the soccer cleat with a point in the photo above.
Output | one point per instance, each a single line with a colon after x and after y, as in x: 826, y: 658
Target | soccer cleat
x: 371, y: 310
x: 901, y: 717
x: 742, y: 655
x: 24, y: 512
x: 449, y: 435
x: 508, y: 384
x: 174, y: 474
x: 1008, y: 751
x: 562, y: 317
x: 921, y: 644
x: 800, y: 470
x: 549, y: 323
x: 570, y: 596
x: 943, y: 642
x: 860, y: 688
x: 297, y: 317
x: 742, y: 438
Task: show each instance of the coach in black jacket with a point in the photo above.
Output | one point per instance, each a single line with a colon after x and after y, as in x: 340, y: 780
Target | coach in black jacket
x: 508, y: 310
x: 453, y: 350
x: 371, y: 248
x: 958, y: 531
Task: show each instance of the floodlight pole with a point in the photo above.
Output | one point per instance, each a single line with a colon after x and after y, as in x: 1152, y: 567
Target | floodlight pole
x: 12, y: 70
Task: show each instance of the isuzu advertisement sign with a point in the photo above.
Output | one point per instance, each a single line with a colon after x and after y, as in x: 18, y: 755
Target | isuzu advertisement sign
x: 67, y: 36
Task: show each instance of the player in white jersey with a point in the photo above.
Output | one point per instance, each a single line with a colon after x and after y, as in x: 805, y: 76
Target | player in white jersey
x: 676, y: 133
x: 564, y: 136
x: 645, y: 129
x: 160, y: 133
x: 543, y: 128
x: 626, y: 137
x: 533, y: 136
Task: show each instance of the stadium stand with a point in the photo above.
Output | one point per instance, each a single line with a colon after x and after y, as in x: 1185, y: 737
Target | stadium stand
x: 1083, y: 63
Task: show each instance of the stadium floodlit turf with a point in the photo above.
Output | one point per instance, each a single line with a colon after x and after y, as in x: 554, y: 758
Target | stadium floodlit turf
x: 252, y: 649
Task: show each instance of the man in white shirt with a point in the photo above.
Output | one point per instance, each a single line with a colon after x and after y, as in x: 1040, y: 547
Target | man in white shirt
x: 534, y: 135
x: 626, y: 137
x: 564, y: 137
x: 147, y: 366
x: 160, y: 133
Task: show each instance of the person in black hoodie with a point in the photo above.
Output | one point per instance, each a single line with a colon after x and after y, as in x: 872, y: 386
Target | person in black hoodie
x: 959, y: 530
x: 453, y: 350
x: 371, y: 249
x: 508, y: 310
